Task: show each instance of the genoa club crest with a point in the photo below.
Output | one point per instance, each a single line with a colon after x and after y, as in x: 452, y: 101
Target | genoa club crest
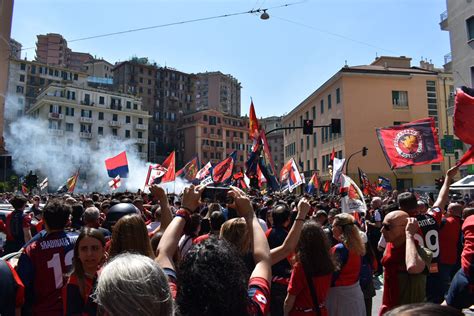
x: 410, y: 144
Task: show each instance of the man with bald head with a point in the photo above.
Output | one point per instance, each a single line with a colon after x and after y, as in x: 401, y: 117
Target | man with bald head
x: 405, y: 262
x: 449, y: 243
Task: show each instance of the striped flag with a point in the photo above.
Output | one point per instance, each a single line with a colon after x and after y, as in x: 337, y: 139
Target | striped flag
x: 44, y: 184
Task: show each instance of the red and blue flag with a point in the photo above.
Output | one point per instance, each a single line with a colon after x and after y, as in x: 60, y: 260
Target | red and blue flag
x: 411, y: 144
x: 222, y: 172
x: 117, y: 166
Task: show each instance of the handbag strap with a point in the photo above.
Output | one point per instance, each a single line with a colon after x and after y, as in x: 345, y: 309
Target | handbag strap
x: 312, y: 290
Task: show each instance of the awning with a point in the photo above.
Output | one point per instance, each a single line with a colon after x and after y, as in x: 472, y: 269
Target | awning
x: 466, y: 183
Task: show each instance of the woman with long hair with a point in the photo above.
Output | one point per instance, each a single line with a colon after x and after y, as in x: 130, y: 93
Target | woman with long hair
x: 345, y: 296
x: 88, y: 256
x: 130, y: 235
x: 313, y: 262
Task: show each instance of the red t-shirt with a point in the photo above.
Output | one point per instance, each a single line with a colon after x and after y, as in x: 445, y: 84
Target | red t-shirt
x: 448, y: 240
x: 467, y: 256
x: 298, y: 287
x: 350, y: 262
x: 16, y: 221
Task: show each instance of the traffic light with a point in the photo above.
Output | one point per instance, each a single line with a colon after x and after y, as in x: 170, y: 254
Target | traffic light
x: 364, y: 151
x: 308, y: 127
x: 336, y: 126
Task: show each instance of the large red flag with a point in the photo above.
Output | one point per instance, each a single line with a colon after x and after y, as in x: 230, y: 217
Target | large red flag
x: 467, y: 158
x: 411, y: 144
x: 222, y: 172
x: 253, y: 123
x: 464, y: 116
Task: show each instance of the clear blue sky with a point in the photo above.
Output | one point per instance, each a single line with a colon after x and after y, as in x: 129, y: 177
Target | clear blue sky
x: 279, y: 63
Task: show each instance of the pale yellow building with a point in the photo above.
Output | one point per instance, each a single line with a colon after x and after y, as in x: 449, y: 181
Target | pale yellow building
x: 387, y: 92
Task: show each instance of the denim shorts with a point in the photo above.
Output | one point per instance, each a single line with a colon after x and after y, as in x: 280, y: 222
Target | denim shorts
x: 461, y: 292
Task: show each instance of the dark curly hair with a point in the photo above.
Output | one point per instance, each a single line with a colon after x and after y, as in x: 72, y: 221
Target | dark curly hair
x: 312, y: 250
x: 212, y: 280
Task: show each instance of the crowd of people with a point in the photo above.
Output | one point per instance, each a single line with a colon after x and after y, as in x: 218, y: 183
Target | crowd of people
x: 272, y: 254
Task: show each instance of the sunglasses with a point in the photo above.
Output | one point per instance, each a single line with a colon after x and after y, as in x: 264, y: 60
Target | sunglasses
x: 387, y: 227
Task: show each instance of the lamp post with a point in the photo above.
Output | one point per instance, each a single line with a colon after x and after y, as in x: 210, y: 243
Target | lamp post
x: 364, y: 153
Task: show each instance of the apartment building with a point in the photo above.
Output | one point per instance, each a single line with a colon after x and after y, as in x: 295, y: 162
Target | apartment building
x: 215, y: 90
x: 52, y: 49
x: 27, y: 79
x: 275, y: 139
x: 458, y: 20
x: 387, y: 92
x: 166, y: 93
x: 212, y: 136
x: 15, y: 49
x: 79, y: 115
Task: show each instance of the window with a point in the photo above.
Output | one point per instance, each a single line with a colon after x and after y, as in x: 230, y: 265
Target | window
x: 140, y: 120
x: 338, y: 95
x: 69, y: 127
x: 22, y: 78
x: 135, y: 106
x: 127, y: 133
x: 470, y: 28
x: 313, y: 110
x: 307, y: 143
x: 101, y: 100
x: 205, y: 118
x: 212, y: 120
x: 22, y: 66
x: 315, y: 164
x: 100, y: 130
x: 329, y: 101
x: 127, y: 119
x: 114, y: 117
x: 302, y: 144
x: 400, y: 98
x: 20, y: 89
x: 227, y: 133
x: 315, y: 139
x: 114, y: 131
x: 435, y: 167
x: 205, y: 130
x: 101, y: 116
x: 322, y: 106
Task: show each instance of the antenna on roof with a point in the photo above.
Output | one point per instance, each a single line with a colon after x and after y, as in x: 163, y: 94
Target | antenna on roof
x: 376, y: 55
x: 345, y: 63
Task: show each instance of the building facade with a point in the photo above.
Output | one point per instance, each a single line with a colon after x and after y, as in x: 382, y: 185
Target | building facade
x: 79, y: 115
x: 15, y: 49
x: 212, y: 136
x: 458, y: 20
x: 27, y: 79
x: 387, y: 92
x: 166, y: 93
x: 217, y: 91
x: 52, y: 49
x: 275, y: 139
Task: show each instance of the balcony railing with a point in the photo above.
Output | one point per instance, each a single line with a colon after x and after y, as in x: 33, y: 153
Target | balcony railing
x: 115, y: 123
x: 215, y: 136
x: 206, y: 147
x: 55, y: 116
x: 87, y: 120
x: 143, y: 155
x: 85, y: 135
x: 236, y: 139
x: 140, y: 126
x: 444, y: 20
x: 142, y: 141
x: 55, y: 132
x: 443, y: 16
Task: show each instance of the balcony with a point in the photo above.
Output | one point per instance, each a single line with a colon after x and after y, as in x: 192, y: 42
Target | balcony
x: 87, y: 120
x: 55, y: 116
x: 448, y: 65
x: 443, y: 24
x: 115, y: 124
x: 236, y: 139
x: 214, y: 136
x: 142, y: 141
x: 85, y: 135
x: 55, y: 132
x: 143, y: 156
x: 141, y: 127
x: 206, y: 147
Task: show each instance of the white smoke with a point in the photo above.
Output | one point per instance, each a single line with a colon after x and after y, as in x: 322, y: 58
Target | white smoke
x: 32, y: 148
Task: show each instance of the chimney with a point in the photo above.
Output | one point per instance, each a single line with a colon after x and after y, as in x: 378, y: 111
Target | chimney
x: 392, y: 62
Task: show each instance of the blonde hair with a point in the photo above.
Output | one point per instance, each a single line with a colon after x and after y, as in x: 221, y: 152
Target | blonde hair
x: 235, y: 232
x: 130, y: 235
x: 350, y: 233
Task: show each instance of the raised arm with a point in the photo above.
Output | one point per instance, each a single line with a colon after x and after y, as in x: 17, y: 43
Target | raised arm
x: 169, y: 241
x: 414, y: 262
x: 166, y: 215
x: 443, y: 196
x: 281, y: 252
x: 260, y: 248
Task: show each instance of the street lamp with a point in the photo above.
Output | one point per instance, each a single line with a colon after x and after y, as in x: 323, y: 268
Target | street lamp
x: 364, y: 153
x: 265, y: 15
